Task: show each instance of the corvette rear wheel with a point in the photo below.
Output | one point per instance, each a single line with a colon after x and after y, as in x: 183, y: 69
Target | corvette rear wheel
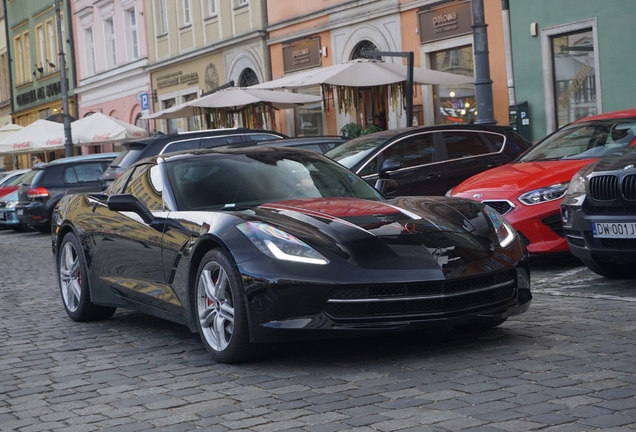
x: 220, y: 308
x: 73, y: 281
x: 611, y: 270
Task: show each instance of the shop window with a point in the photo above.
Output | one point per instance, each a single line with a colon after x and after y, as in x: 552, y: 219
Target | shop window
x: 309, y: 118
x: 172, y: 123
x: 574, y: 76
x: 454, y: 103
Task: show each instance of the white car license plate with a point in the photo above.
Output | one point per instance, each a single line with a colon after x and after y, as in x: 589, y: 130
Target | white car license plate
x: 614, y: 229
x: 19, y: 212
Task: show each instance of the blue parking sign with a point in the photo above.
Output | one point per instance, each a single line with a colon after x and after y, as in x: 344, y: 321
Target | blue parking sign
x: 145, y: 104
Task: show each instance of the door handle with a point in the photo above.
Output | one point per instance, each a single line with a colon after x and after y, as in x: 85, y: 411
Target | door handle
x: 432, y: 177
x: 495, y: 164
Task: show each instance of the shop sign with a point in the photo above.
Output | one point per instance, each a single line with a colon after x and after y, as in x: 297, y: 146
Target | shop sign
x: 46, y: 92
x: 301, y: 55
x: 444, y: 22
x: 177, y: 78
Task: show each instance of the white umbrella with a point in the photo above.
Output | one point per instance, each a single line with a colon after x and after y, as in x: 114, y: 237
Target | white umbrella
x: 363, y: 73
x: 98, y: 128
x: 235, y: 99
x: 39, y: 135
x: 8, y: 130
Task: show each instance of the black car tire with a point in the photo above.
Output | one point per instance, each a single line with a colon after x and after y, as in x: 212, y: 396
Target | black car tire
x: 73, y: 282
x: 220, y: 310
x: 611, y: 270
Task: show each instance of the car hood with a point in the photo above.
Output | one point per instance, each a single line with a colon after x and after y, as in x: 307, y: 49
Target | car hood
x: 519, y: 177
x: 616, y: 161
x: 402, y: 233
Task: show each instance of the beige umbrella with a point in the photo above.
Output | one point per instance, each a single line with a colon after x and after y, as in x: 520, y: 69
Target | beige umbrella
x: 235, y: 99
x: 41, y: 135
x: 362, y: 73
x: 98, y: 128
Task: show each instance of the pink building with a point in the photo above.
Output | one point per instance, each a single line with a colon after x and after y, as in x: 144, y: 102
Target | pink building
x: 111, y: 53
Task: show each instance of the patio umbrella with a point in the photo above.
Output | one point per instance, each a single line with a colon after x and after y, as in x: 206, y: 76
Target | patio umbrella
x: 39, y: 135
x: 9, y: 129
x: 98, y: 128
x: 362, y: 73
x: 235, y: 99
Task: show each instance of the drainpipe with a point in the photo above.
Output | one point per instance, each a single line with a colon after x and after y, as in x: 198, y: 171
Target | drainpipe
x: 505, y: 14
x: 483, y: 83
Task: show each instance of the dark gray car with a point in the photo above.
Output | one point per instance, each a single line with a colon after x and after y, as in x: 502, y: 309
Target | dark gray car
x: 43, y: 186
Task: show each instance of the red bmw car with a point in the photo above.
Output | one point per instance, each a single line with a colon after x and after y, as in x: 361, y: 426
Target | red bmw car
x: 529, y: 191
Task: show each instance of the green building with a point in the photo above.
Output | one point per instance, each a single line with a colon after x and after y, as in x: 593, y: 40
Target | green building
x: 33, y: 47
x: 572, y: 59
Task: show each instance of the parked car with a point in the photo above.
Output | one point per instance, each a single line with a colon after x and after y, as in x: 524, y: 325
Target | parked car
x: 11, y: 181
x: 8, y: 217
x: 529, y: 191
x: 318, y: 143
x: 599, y: 215
x: 429, y: 160
x: 165, y: 143
x: 257, y: 244
x: 43, y: 187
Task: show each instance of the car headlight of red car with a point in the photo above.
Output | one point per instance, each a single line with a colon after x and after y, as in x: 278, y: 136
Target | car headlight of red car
x: 543, y: 195
x: 506, y: 234
x: 278, y: 244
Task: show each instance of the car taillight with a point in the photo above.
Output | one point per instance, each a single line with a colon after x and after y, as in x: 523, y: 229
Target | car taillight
x: 38, y: 192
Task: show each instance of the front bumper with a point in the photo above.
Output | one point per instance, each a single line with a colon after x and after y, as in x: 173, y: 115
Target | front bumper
x: 584, y: 245
x: 285, y: 310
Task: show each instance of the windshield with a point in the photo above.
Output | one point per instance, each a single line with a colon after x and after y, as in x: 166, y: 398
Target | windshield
x: 244, y: 180
x: 25, y: 178
x: 11, y: 180
x: 586, y: 140
x: 127, y: 157
x: 353, y: 153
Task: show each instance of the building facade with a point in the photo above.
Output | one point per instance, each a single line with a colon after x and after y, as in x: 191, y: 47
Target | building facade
x: 33, y: 48
x: 439, y: 33
x: 111, y: 56
x: 569, y: 59
x: 5, y: 84
x: 195, y: 46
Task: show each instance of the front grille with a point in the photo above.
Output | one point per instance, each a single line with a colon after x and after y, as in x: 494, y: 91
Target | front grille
x: 501, y: 207
x: 435, y: 299
x: 525, y: 240
x: 613, y: 243
x: 603, y: 187
x: 628, y: 187
x: 555, y: 223
x: 606, y: 210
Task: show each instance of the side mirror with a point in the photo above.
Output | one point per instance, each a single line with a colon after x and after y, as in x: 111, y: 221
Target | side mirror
x: 386, y: 187
x: 127, y: 202
x: 390, y: 165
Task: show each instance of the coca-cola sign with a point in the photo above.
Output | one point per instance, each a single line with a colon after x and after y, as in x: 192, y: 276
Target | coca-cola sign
x: 54, y: 142
x: 103, y: 137
x: 22, y: 145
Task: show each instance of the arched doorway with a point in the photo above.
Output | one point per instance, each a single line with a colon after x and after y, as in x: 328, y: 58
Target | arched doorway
x: 247, y: 78
x: 374, y: 99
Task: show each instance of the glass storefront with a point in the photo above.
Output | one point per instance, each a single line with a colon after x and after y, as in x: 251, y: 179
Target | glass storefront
x: 573, y: 59
x: 309, y: 118
x: 454, y: 103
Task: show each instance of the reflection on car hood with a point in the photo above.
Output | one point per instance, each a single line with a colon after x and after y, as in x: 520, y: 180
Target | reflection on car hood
x: 519, y: 177
x: 406, y: 232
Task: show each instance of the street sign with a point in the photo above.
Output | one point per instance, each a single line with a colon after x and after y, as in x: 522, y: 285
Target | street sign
x: 145, y: 102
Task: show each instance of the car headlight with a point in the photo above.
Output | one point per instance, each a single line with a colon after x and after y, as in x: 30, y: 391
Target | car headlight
x: 577, y: 185
x: 505, y: 232
x: 543, y: 195
x: 449, y: 193
x: 276, y: 243
x: 11, y: 204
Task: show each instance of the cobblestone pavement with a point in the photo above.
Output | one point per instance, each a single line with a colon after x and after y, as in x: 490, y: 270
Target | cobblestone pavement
x: 566, y: 365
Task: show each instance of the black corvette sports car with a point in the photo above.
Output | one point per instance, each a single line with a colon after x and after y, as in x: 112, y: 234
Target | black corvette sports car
x: 264, y: 244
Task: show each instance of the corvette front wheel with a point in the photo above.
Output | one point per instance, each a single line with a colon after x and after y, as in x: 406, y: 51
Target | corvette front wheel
x: 220, y: 308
